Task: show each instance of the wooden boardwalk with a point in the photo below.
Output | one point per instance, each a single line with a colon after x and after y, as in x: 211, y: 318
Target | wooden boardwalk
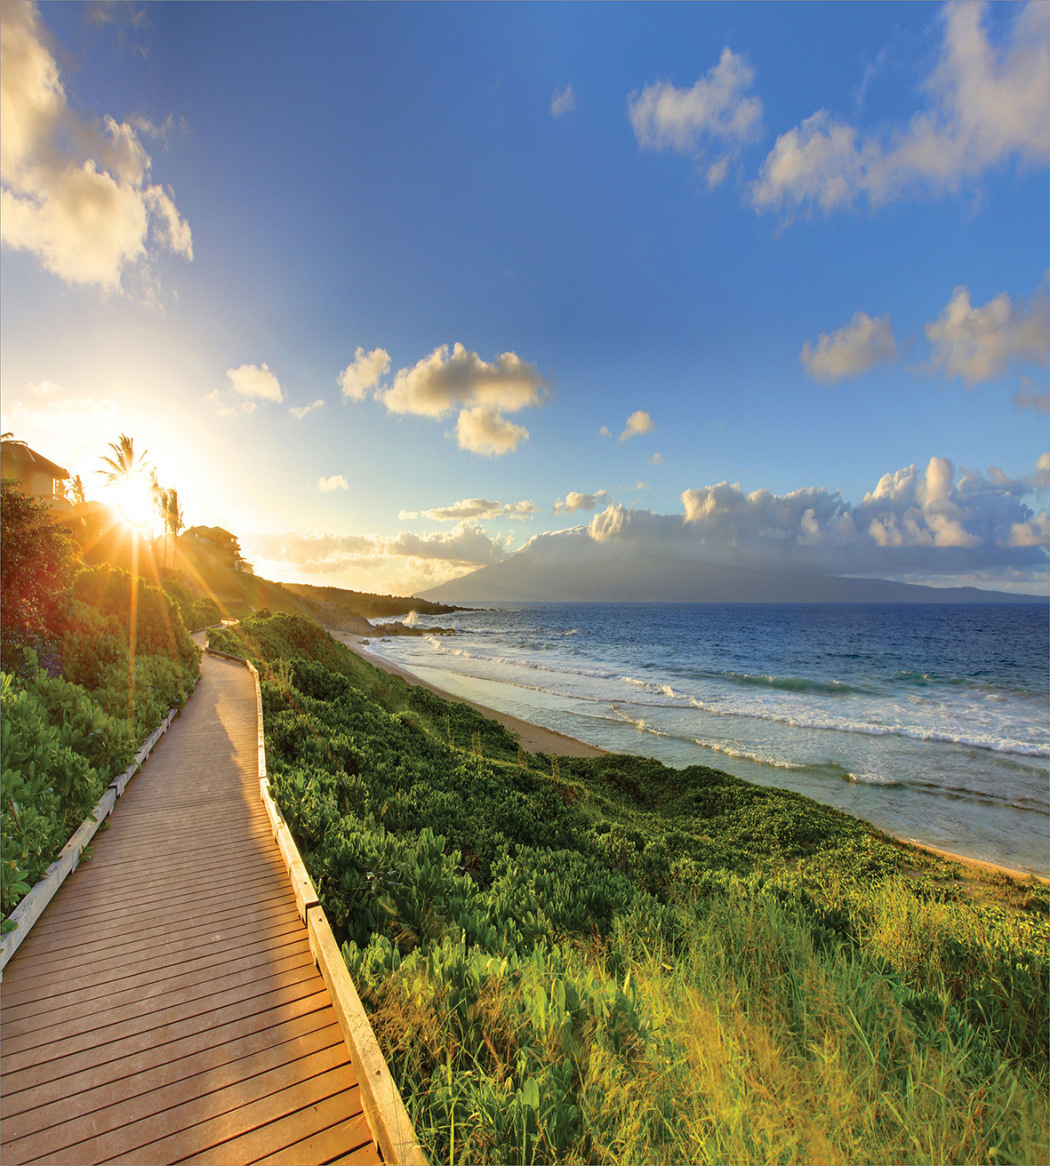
x: 166, y: 1008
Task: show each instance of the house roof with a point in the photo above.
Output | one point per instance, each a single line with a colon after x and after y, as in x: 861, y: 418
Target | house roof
x: 22, y: 455
x: 215, y: 533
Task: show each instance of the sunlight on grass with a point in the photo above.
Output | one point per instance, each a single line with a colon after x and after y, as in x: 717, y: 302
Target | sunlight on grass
x: 604, y: 960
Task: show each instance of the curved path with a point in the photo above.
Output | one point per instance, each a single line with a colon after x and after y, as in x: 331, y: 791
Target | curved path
x: 166, y: 1008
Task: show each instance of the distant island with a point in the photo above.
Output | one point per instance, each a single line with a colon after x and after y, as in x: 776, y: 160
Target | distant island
x: 528, y: 577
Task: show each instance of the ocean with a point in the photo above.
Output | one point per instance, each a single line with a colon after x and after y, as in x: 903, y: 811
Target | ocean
x: 931, y: 722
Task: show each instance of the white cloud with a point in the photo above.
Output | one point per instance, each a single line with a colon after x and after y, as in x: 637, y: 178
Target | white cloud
x: 638, y: 423
x: 467, y: 545
x: 563, y: 101
x: 441, y: 382
x: 1033, y: 533
x: 604, y: 431
x: 978, y: 344
x: 301, y: 411
x: 574, y: 501
x: 1029, y: 396
x: 717, y: 109
x: 485, y: 430
x: 850, y: 351
x: 364, y: 372
x: 987, y: 104
x: 930, y: 521
x: 657, y: 459
x: 255, y: 382
x: 477, y: 509
x: 76, y: 194
x: 44, y: 388
x: 335, y: 482
x: 62, y: 420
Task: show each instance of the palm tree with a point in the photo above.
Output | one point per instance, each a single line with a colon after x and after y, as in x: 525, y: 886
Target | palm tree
x: 121, y: 469
x: 76, y: 488
x: 174, y: 518
x: 123, y: 465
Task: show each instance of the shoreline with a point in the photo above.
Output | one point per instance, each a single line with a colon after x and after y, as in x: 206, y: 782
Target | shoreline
x: 537, y: 739
x: 534, y: 738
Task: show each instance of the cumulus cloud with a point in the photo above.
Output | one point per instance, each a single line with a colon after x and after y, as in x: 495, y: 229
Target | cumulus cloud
x: 44, y: 388
x: 301, y: 411
x: 1030, y: 396
x: 439, y: 384
x: 638, y: 423
x: 986, y: 105
x: 77, y: 194
x: 978, y: 344
x: 563, y: 101
x: 604, y: 431
x: 485, y: 430
x: 1033, y: 533
x: 477, y: 509
x: 444, y: 381
x: 64, y: 419
x: 657, y: 459
x: 928, y: 522
x: 574, y: 501
x: 256, y: 382
x: 934, y: 525
x: 1040, y: 480
x: 467, y: 545
x: 850, y: 351
x: 364, y: 372
x: 335, y: 482
x: 716, y: 113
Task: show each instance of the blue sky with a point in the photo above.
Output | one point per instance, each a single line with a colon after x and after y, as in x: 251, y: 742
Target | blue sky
x: 390, y: 290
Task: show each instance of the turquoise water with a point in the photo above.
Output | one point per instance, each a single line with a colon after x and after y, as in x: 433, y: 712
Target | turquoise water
x: 932, y: 722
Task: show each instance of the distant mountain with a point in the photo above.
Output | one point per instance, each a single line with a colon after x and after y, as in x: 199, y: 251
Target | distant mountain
x: 530, y: 578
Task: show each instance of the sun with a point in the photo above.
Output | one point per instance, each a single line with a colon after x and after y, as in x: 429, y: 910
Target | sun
x: 135, y: 501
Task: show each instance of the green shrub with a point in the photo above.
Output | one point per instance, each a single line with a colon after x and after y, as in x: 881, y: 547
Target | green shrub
x: 604, y: 959
x: 158, y: 625
x: 48, y: 786
x: 35, y: 568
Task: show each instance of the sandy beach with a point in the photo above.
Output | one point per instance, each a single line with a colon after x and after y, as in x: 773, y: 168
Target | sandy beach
x: 533, y: 738
x: 537, y: 739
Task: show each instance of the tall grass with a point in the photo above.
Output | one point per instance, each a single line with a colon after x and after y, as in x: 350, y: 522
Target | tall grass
x: 607, y: 960
x: 759, y: 1039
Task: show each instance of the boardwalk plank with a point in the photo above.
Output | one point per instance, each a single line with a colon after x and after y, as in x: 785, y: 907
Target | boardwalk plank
x: 75, y: 974
x: 166, y: 1005
x: 107, y: 1025
x: 319, y: 1147
x: 121, y: 1127
x: 253, y: 965
x: 275, y: 1026
x: 204, y: 1142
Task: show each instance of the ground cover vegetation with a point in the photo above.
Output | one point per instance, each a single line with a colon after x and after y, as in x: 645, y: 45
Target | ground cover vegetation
x: 605, y: 960
x: 90, y: 666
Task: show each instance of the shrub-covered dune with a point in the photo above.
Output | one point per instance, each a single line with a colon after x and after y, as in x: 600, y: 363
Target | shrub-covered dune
x: 606, y: 960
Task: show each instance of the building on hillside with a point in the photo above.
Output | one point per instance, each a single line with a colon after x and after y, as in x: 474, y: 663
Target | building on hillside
x: 211, y: 547
x: 37, y: 477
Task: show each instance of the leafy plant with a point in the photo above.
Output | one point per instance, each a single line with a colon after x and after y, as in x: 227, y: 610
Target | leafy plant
x: 606, y: 960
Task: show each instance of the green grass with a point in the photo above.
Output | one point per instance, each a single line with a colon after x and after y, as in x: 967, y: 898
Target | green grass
x: 605, y: 960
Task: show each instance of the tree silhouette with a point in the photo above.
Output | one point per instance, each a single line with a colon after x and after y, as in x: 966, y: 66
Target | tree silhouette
x: 174, y: 518
x: 123, y: 465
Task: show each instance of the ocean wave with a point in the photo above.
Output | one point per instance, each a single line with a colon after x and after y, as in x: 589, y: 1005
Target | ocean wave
x: 791, y: 683
x: 513, y: 662
x: 960, y: 731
